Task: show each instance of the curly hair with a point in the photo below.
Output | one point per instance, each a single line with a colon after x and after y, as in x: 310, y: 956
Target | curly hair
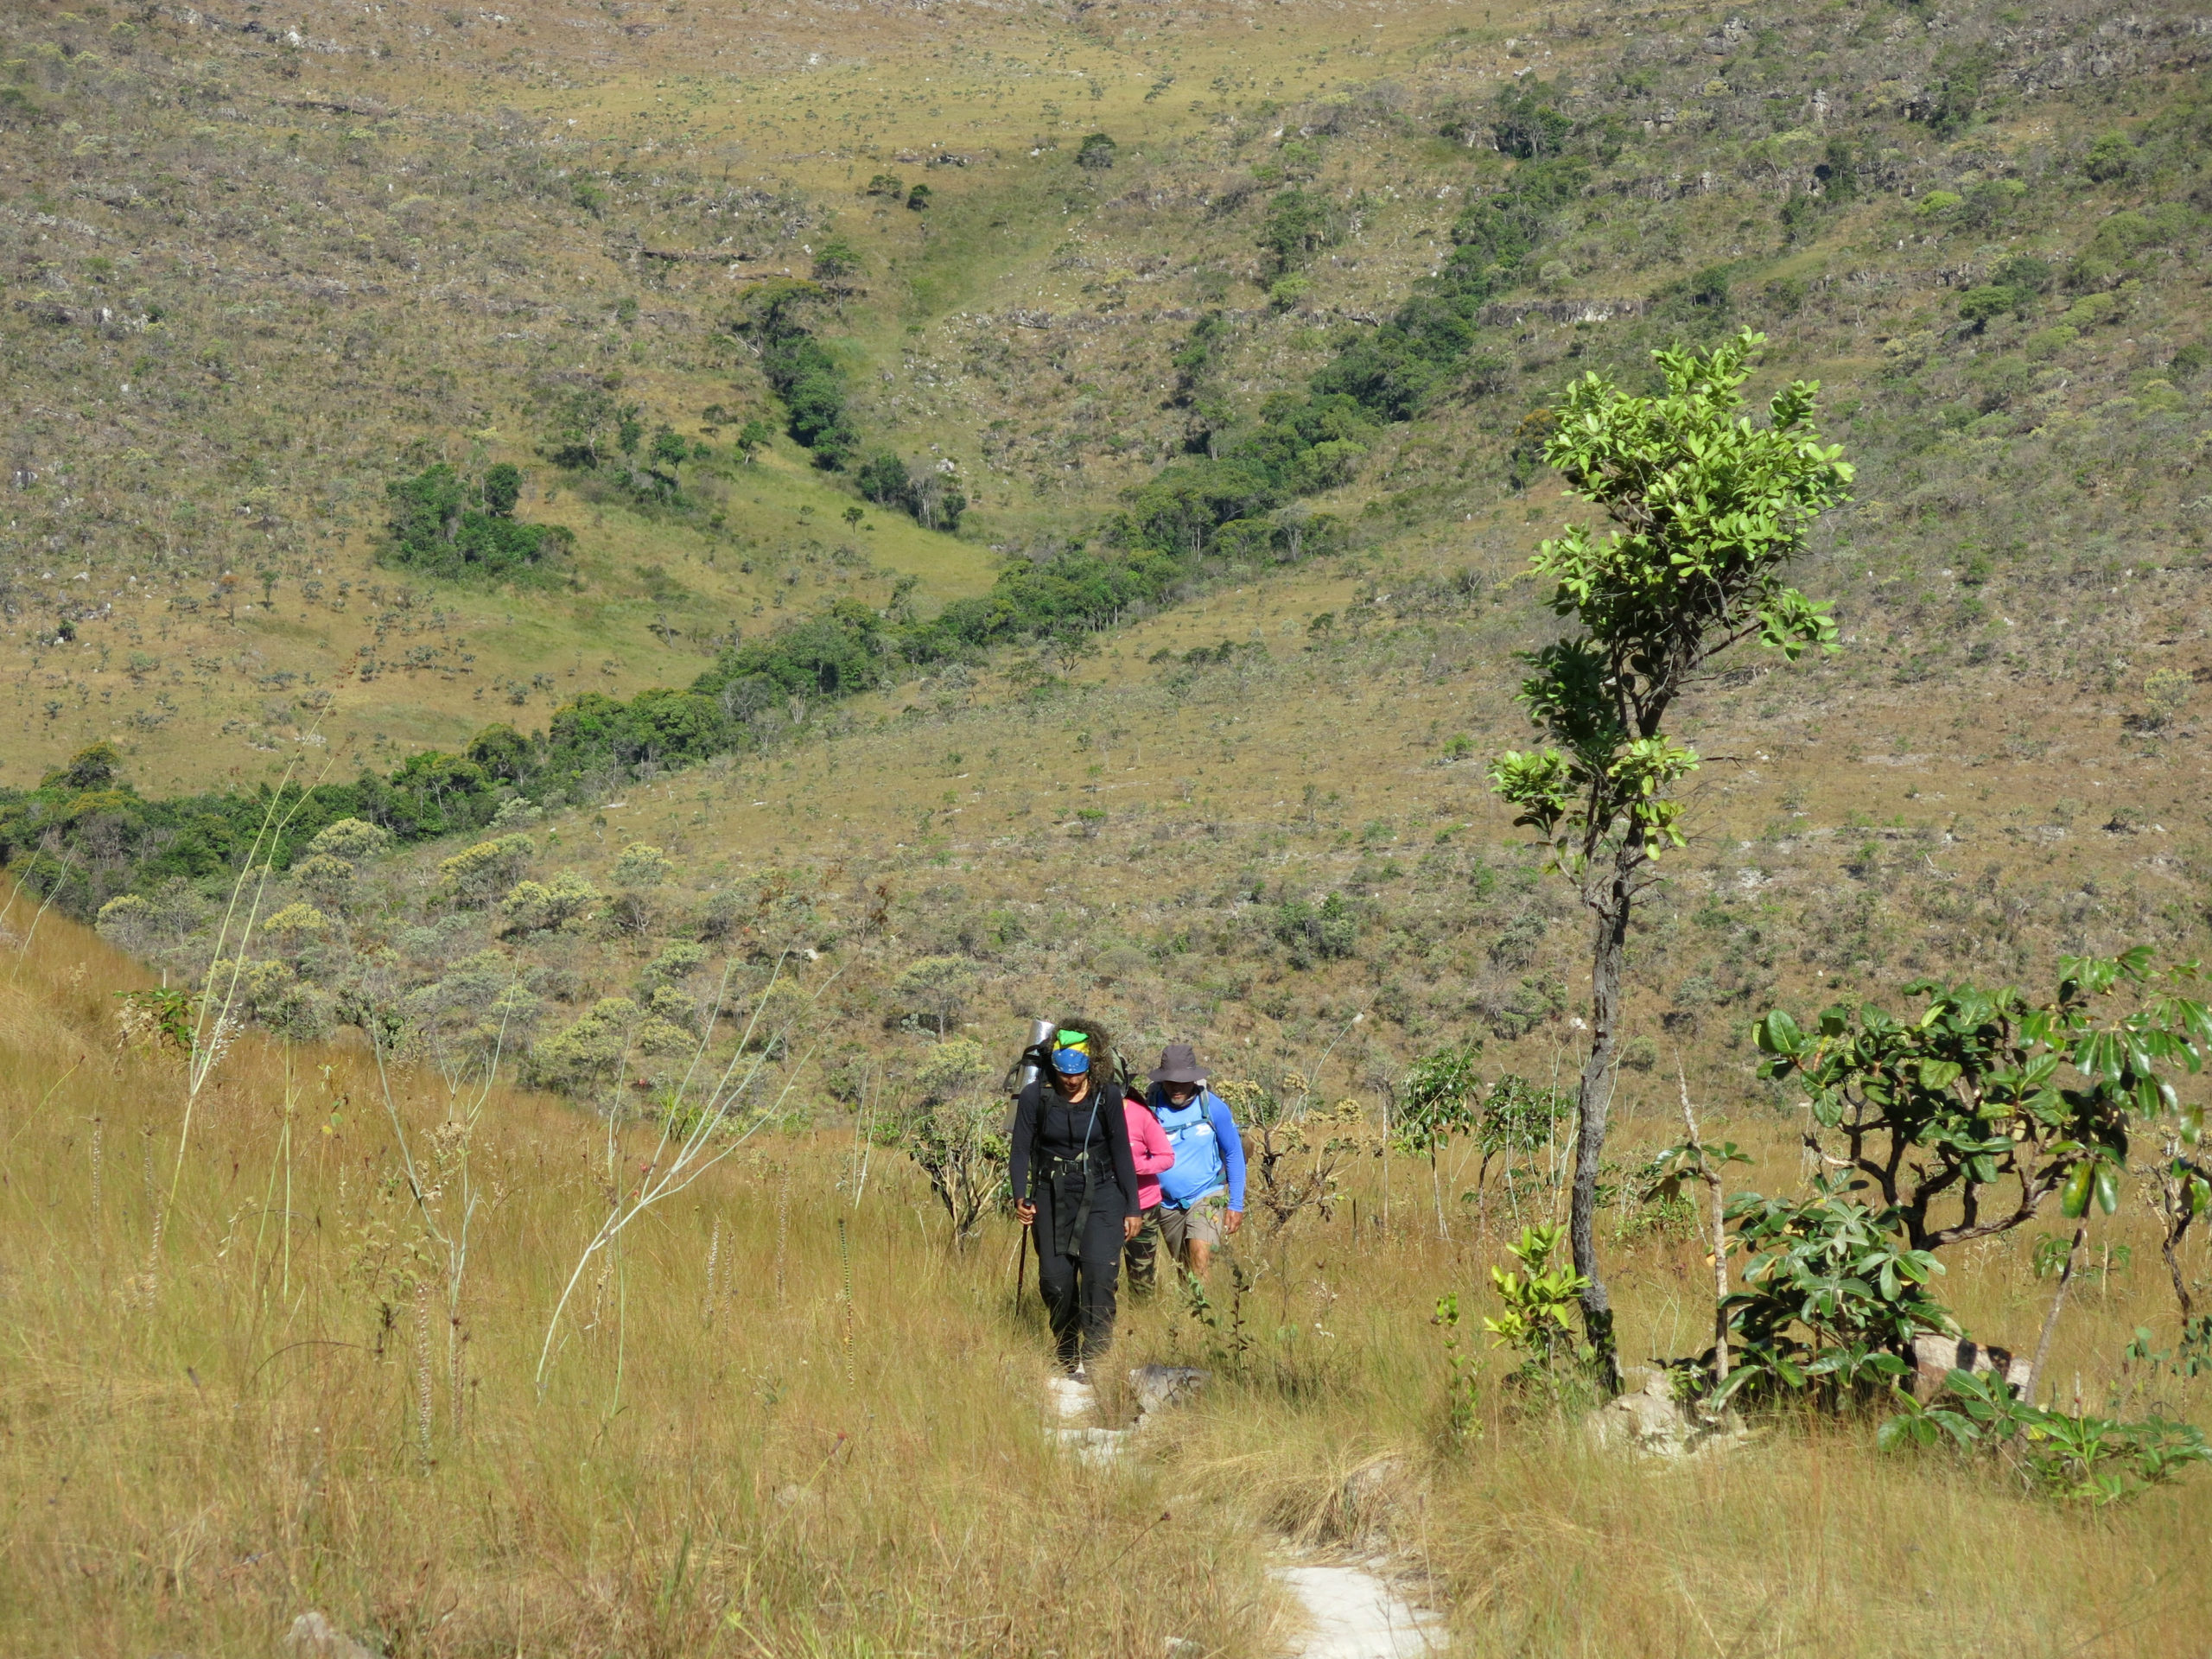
x: 1102, y: 1047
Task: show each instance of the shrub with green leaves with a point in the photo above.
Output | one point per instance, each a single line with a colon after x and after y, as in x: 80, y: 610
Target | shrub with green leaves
x: 535, y: 906
x: 2094, y: 1460
x: 934, y: 990
x: 1538, y: 1299
x: 643, y: 865
x: 1833, y: 1297
x: 1967, y: 1118
x: 352, y: 840
x: 949, y: 1123
x: 1316, y: 933
x: 615, y: 1039
x: 806, y: 377
x: 444, y: 524
x: 478, y: 874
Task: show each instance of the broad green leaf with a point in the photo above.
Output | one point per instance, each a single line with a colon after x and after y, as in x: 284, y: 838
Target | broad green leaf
x: 2074, y: 1196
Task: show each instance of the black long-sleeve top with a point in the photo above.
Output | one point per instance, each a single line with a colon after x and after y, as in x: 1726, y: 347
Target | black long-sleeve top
x: 1047, y: 1126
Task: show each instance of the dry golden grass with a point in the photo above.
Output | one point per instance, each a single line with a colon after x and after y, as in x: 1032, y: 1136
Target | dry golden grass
x: 1807, y: 1541
x: 205, y: 1435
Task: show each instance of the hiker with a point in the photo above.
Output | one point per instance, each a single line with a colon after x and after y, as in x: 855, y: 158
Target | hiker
x: 1075, y: 1185
x: 1154, y: 1156
x: 1202, y: 1194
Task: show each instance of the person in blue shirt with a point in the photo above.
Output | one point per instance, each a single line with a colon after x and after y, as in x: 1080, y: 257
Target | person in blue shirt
x: 1202, y: 1196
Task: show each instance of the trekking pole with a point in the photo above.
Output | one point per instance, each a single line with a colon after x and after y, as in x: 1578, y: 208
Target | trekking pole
x: 1026, y: 1070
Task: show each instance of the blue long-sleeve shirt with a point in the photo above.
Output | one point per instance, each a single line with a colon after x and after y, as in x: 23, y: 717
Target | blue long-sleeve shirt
x: 1205, y: 1162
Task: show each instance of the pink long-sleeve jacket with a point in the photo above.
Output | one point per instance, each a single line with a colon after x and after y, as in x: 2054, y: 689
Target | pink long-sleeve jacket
x: 1148, y: 1147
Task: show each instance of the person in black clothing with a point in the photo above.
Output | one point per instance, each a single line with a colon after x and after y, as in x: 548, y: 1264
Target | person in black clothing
x: 1075, y: 1185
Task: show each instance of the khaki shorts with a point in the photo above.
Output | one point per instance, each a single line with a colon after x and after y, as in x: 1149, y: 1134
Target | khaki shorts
x: 1199, y: 1224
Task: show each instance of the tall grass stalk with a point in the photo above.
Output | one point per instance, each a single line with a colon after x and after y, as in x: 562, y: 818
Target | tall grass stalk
x: 706, y: 1138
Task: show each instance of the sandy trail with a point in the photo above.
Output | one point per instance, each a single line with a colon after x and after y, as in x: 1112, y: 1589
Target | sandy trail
x: 1350, y: 1613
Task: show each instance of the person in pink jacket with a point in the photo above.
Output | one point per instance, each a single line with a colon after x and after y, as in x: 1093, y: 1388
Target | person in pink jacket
x: 1149, y: 1149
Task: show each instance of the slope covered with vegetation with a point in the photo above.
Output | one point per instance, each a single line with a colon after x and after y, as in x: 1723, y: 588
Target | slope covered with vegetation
x: 679, y: 537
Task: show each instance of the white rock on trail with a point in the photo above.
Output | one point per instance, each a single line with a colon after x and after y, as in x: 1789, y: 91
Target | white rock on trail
x: 1351, y: 1614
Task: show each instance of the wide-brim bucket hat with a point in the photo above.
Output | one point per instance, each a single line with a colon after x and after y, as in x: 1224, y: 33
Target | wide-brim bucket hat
x: 1179, y: 1063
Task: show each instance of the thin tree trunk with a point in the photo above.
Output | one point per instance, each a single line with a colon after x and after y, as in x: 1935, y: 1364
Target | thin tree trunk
x: 2171, y: 1208
x: 2050, y: 1320
x: 1612, y: 905
x: 1712, y: 1179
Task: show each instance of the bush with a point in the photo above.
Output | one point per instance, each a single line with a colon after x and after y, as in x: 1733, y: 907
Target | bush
x: 1977, y: 306
x: 434, y: 528
x: 533, y: 906
x: 478, y: 874
x: 2024, y: 274
x: 2098, y: 1460
x: 1834, y: 1295
x: 837, y: 260
x: 951, y: 1131
x: 2111, y: 159
x: 352, y: 840
x: 1097, y: 152
x: 1322, y: 932
x: 1299, y: 224
x: 935, y: 990
x: 615, y: 1039
x: 643, y: 865
x: 805, y: 376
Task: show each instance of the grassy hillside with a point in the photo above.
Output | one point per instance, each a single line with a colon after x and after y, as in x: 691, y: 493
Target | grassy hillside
x: 249, y: 1375
x: 1183, y: 722
x: 318, y: 266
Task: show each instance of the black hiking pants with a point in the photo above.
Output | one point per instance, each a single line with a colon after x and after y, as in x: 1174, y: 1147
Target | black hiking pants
x: 1078, y: 1290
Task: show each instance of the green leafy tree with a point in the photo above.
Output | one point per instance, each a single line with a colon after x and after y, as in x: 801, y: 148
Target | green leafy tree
x: 837, y: 260
x: 502, y: 489
x: 1708, y: 508
x: 1979, y: 305
x: 1097, y: 152
x: 97, y: 766
x: 1440, y: 1101
x: 580, y: 419
x: 950, y: 1126
x: 753, y: 437
x: 1969, y: 1118
x: 478, y: 874
x: 883, y: 478
x: 935, y: 989
x: 668, y: 449
x: 1298, y: 226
